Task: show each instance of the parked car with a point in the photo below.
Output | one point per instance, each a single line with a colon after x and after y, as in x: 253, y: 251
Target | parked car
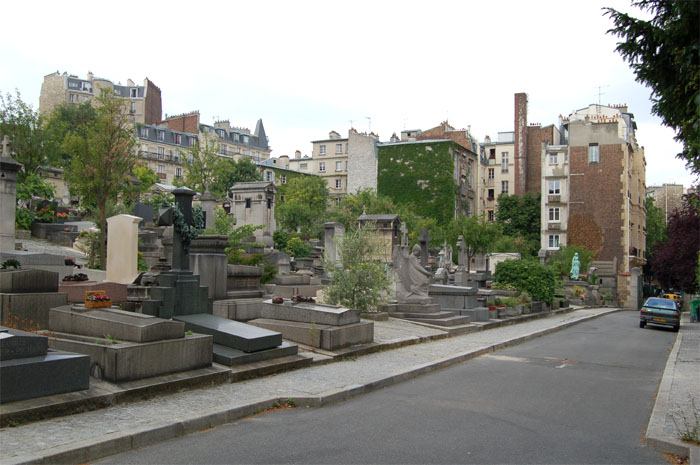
x: 675, y: 297
x: 659, y: 311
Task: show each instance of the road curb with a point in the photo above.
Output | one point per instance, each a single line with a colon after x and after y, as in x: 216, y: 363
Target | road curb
x: 656, y: 437
x: 115, y: 443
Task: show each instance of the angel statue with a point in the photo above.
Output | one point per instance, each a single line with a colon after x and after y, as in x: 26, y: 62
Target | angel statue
x: 412, y: 285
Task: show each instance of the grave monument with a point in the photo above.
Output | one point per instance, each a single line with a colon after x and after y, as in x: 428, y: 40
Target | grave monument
x: 8, y: 196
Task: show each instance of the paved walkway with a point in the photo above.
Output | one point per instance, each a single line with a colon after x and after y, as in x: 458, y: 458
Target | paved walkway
x: 679, y: 389
x: 90, y: 435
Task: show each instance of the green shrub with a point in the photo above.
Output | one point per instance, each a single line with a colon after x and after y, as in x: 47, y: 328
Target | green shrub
x: 528, y: 275
x: 23, y: 218
x: 298, y: 248
x: 511, y: 301
x: 560, y: 262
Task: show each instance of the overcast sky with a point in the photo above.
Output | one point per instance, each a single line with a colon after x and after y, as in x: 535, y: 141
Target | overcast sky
x: 306, y: 68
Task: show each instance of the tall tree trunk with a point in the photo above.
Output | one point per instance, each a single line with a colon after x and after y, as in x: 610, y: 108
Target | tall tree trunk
x: 103, y: 237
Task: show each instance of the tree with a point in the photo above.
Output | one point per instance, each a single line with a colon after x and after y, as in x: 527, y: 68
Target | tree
x: 519, y: 216
x: 64, y: 119
x: 664, y: 53
x: 230, y: 172
x: 674, y: 262
x: 201, y: 172
x: 656, y: 226
x: 478, y: 234
x: 353, y: 205
x: 304, y: 207
x: 25, y: 128
x: 358, y: 280
x: 102, y: 157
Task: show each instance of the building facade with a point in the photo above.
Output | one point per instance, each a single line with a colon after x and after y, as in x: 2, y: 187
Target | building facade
x: 668, y: 197
x: 496, y: 172
x: 145, y: 105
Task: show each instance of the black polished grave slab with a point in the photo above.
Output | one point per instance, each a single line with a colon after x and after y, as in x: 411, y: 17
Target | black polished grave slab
x: 231, y: 333
x: 229, y: 356
x: 54, y: 373
x: 19, y: 344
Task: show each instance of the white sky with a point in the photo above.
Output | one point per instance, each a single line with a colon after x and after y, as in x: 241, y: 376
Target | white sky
x: 308, y: 67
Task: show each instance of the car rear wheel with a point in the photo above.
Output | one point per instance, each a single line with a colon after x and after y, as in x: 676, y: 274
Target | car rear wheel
x: 642, y: 323
x: 676, y: 328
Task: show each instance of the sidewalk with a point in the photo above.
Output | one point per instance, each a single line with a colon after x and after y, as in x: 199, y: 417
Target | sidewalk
x: 92, y: 435
x: 680, y: 384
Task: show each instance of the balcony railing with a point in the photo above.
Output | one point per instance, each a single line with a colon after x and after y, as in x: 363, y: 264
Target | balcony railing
x: 161, y: 157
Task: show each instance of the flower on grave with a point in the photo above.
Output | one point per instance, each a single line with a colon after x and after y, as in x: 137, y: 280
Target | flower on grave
x: 63, y: 216
x: 98, y: 298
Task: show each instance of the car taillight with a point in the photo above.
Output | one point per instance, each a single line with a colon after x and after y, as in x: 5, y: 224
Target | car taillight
x: 644, y: 310
x: 676, y: 315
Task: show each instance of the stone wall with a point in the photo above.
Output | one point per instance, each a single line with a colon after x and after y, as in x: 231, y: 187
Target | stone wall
x: 362, y: 162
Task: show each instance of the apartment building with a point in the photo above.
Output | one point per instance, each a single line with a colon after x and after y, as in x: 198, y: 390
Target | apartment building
x: 145, y: 105
x: 164, y: 151
x: 668, y: 197
x: 496, y: 171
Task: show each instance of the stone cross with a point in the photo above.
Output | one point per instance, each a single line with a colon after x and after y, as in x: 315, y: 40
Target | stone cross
x: 183, y: 199
x: 5, y: 144
x: 424, y: 240
x: 404, y: 235
x: 460, y: 253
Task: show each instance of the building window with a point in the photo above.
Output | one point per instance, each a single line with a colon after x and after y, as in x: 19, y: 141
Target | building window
x: 178, y: 172
x: 336, y: 200
x: 346, y: 147
x: 161, y: 135
x: 133, y: 107
x: 492, y: 154
x: 193, y: 140
x: 322, y: 150
x: 161, y: 169
x: 248, y: 203
x: 303, y: 166
x: 553, y: 241
x: 491, y: 215
x: 504, y: 187
x: 554, y: 187
x: 268, y: 176
x: 339, y: 166
x: 178, y: 138
x: 161, y: 153
x: 593, y: 153
x: 504, y: 162
x: 134, y: 93
x: 284, y: 179
x: 338, y: 183
x: 143, y: 132
x: 553, y: 159
x: 492, y: 173
x: 338, y: 148
x: 321, y: 166
x: 554, y: 214
x: 491, y: 194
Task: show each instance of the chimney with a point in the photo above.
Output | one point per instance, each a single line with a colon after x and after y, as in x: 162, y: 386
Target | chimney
x: 520, y: 156
x: 90, y: 76
x: 297, y: 154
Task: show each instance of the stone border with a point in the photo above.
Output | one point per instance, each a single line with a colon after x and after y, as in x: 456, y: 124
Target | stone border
x: 115, y: 443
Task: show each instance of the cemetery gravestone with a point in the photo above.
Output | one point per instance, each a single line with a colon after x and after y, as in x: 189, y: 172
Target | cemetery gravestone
x: 122, y: 248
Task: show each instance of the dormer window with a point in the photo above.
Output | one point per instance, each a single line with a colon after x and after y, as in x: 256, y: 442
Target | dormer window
x: 134, y: 93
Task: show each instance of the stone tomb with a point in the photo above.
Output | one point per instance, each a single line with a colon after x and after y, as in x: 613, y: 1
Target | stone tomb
x: 75, y: 290
x: 26, y: 297
x: 29, y: 369
x: 327, y: 327
x: 459, y: 299
x: 125, y: 346
x: 40, y: 261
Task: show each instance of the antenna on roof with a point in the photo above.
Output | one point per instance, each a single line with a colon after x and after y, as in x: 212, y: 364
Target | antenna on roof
x: 600, y: 88
x: 369, y: 124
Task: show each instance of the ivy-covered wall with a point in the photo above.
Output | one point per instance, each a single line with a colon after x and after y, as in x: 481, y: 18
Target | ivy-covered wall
x: 279, y: 172
x: 419, y: 173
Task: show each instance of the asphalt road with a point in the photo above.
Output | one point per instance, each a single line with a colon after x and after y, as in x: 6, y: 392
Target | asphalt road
x: 581, y: 395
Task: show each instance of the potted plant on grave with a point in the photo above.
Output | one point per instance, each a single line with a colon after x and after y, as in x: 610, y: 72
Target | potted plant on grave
x: 493, y: 311
x: 61, y: 217
x: 513, y: 306
x: 46, y: 214
x: 97, y: 299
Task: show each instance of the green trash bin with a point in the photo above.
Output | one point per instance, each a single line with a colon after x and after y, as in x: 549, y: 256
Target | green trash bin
x: 695, y: 311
